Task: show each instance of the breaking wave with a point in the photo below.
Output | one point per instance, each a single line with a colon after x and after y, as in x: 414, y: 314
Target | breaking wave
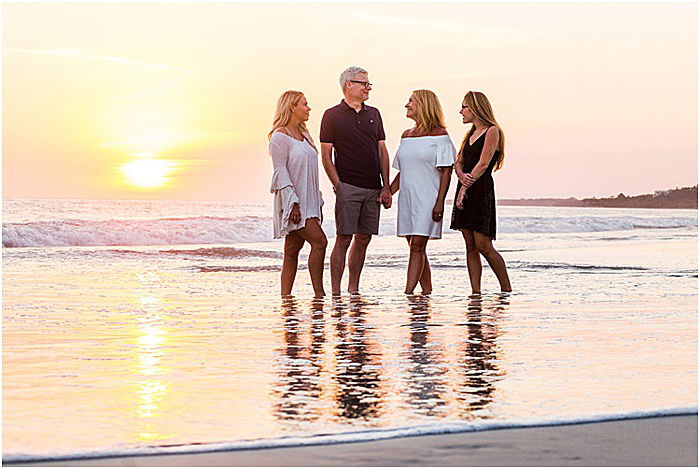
x: 245, y: 229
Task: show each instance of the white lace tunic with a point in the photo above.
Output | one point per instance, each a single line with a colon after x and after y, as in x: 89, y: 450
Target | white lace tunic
x: 294, y: 180
x: 418, y: 160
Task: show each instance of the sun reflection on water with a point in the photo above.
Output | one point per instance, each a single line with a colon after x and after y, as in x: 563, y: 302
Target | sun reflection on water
x: 151, y: 340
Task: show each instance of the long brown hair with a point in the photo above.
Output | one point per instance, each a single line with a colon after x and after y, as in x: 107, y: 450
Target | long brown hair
x: 481, y: 107
x: 429, y: 115
x: 283, y: 114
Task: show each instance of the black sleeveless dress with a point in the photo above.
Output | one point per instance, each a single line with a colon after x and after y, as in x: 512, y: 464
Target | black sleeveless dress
x: 479, y: 212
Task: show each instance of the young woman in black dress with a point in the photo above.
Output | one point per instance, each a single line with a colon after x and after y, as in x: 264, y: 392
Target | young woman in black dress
x: 474, y: 211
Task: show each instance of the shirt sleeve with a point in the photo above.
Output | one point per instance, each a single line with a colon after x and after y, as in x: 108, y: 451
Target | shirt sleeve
x: 445, y: 155
x: 396, y: 164
x: 380, y: 130
x: 280, y: 174
x: 327, y: 134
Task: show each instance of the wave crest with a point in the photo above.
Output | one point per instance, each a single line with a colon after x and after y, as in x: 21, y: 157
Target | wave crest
x: 248, y: 228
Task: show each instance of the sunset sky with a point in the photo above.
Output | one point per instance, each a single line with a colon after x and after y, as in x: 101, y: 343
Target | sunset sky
x: 175, y: 100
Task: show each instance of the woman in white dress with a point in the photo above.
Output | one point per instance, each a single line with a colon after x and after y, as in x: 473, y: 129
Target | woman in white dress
x: 297, y: 200
x: 424, y: 160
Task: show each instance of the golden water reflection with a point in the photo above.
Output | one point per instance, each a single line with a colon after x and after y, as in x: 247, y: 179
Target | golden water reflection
x: 332, y: 367
x: 425, y: 379
x: 359, y: 394
x: 478, y: 360
x: 299, y: 387
x: 151, y: 339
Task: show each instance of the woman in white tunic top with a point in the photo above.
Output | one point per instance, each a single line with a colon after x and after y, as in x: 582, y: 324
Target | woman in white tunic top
x: 424, y: 160
x: 297, y: 200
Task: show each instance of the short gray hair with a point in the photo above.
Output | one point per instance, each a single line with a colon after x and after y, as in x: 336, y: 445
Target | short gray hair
x: 350, y: 73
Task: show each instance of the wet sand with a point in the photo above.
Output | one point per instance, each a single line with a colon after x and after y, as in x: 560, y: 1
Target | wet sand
x: 662, y: 441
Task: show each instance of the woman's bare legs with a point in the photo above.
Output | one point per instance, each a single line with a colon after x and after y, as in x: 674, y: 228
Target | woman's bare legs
x: 473, y: 261
x: 416, y: 262
x: 293, y: 243
x: 426, y: 278
x: 498, y: 265
x: 313, y: 233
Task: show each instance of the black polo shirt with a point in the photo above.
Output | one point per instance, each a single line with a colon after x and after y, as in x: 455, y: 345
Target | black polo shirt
x: 355, y: 136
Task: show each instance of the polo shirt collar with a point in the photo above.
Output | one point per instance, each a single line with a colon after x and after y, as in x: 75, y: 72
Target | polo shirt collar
x: 346, y: 106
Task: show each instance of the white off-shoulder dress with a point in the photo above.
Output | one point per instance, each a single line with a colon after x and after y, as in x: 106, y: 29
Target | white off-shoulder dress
x: 418, y: 160
x: 294, y: 180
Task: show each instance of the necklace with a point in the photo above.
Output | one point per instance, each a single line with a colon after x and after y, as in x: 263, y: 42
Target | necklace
x: 294, y: 134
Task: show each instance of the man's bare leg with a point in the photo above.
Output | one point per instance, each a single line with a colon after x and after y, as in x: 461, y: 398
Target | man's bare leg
x: 356, y: 260
x: 340, y: 249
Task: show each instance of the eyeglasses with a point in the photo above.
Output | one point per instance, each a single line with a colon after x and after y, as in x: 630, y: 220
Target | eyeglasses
x: 366, y: 84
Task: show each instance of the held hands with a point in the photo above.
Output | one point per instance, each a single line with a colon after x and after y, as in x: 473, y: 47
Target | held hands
x: 295, y: 216
x: 467, y: 182
x: 460, y: 197
x: 385, y: 197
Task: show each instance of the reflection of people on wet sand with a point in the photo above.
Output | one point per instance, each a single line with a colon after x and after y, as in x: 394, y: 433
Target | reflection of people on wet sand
x: 359, y: 394
x: 299, y: 386
x: 425, y: 380
x: 478, y: 362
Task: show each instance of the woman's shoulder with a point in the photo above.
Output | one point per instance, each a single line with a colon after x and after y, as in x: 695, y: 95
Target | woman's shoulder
x: 279, y: 140
x: 438, y: 131
x: 279, y: 135
x: 414, y: 133
x: 492, y: 133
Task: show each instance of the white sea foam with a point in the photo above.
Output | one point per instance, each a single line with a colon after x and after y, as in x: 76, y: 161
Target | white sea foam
x: 584, y: 224
x: 243, y: 229
x: 348, y: 437
x: 158, y: 232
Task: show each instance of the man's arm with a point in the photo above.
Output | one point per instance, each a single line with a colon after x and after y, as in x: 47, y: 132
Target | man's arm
x: 385, y: 194
x: 327, y: 160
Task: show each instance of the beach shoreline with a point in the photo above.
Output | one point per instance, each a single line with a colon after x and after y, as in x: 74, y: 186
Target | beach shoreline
x: 654, y: 441
x: 187, y: 348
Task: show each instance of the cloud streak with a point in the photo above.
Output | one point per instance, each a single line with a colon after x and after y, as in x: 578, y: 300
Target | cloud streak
x: 462, y: 76
x: 73, y: 53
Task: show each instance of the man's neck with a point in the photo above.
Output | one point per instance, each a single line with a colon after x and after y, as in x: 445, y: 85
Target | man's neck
x: 356, y: 105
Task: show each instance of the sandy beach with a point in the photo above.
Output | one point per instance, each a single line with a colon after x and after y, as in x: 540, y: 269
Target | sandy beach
x: 663, y: 441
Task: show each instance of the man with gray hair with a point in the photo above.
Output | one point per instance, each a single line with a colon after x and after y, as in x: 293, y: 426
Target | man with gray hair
x: 359, y: 174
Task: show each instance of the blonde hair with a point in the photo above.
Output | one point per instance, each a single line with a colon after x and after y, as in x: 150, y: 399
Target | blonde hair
x: 283, y: 114
x: 481, y: 108
x: 429, y: 115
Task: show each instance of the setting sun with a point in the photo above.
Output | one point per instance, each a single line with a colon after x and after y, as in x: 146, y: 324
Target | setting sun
x: 148, y: 173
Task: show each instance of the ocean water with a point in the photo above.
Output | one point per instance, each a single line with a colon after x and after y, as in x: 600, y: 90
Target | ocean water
x: 140, y: 327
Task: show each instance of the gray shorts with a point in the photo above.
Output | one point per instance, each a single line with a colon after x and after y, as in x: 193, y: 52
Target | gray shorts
x: 356, y: 210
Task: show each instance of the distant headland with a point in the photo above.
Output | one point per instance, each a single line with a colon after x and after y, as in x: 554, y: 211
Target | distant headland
x: 685, y: 197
